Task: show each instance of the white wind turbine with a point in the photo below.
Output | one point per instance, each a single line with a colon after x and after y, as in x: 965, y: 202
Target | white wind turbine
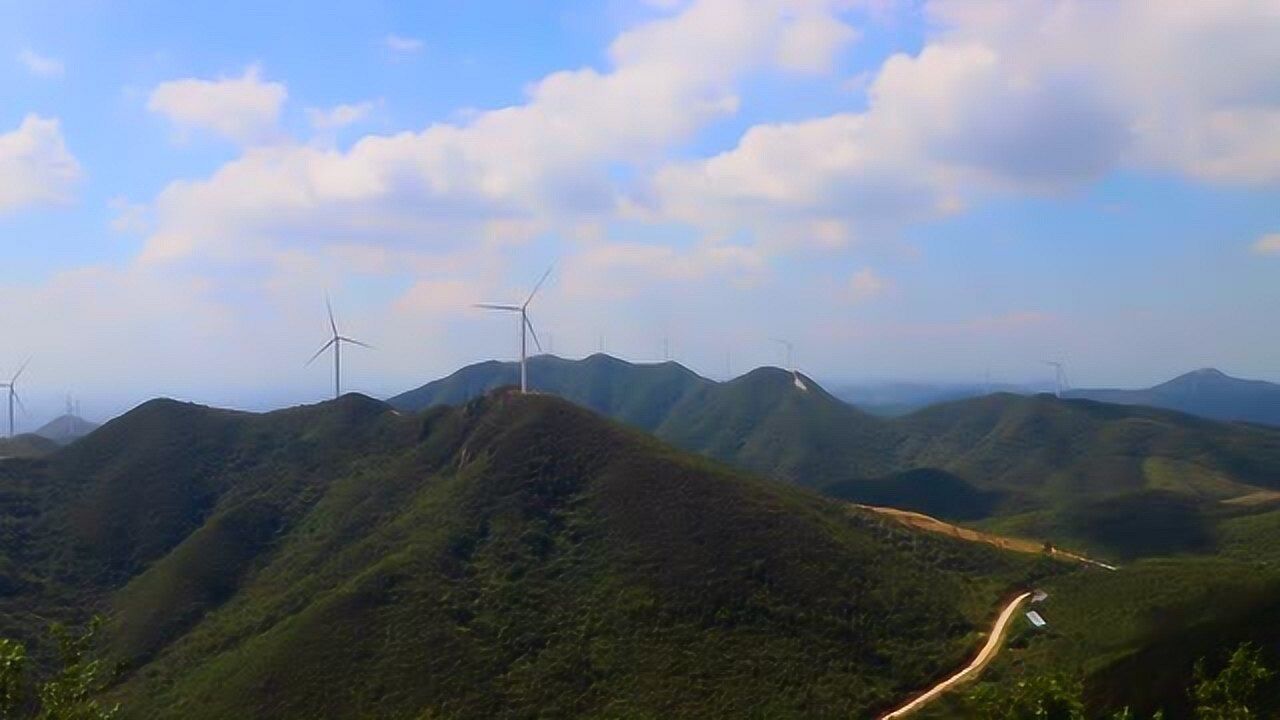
x: 790, y: 351
x: 1059, y: 376
x: 336, y: 343
x: 526, y: 328
x: 791, y: 367
x: 12, y: 386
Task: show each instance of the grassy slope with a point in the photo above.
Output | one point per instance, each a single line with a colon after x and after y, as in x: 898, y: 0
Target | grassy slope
x: 26, y: 446
x: 1120, y: 482
x: 1003, y: 455
x: 513, y: 556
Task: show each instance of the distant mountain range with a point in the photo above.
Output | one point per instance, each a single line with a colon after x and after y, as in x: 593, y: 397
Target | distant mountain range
x: 513, y: 556
x: 66, y: 429
x: 893, y: 399
x: 999, y: 456
x: 1208, y: 393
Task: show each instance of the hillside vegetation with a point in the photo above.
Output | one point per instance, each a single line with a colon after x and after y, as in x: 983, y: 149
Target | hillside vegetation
x: 1074, y: 471
x: 510, y: 557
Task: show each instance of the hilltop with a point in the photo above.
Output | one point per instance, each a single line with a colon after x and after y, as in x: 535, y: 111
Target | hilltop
x: 66, y: 429
x: 1071, y: 470
x: 27, y: 445
x: 511, y: 556
x: 1208, y: 393
x: 760, y: 421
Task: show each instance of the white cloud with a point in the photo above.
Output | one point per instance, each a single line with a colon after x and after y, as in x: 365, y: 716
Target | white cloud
x: 339, y: 116
x: 1268, y: 244
x: 866, y: 284
x: 244, y: 109
x: 1036, y: 97
x: 35, y: 165
x: 621, y: 269
x: 811, y: 42
x: 40, y: 65
x: 541, y: 164
x: 401, y: 44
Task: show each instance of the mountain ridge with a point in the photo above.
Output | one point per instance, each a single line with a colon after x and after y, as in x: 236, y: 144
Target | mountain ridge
x: 1000, y: 455
x: 512, y: 554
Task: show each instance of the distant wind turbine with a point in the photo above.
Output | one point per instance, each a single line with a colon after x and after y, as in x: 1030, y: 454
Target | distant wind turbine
x: 790, y: 351
x: 12, y: 386
x: 526, y: 328
x: 336, y: 343
x: 791, y: 366
x: 1059, y: 376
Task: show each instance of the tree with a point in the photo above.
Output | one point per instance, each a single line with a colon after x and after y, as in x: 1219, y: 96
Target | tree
x: 70, y: 694
x: 1230, y: 694
x: 1038, y: 698
x: 13, y: 667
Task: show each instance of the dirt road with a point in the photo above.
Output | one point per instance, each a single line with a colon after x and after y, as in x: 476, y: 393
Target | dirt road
x: 921, y: 521
x: 988, y: 653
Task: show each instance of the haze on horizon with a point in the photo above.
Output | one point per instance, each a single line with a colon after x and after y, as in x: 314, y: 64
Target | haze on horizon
x: 906, y: 190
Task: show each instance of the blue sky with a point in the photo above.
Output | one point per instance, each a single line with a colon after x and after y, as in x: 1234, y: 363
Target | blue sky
x: 908, y: 190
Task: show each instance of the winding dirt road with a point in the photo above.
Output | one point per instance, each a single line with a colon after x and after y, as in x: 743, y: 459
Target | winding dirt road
x: 970, y: 671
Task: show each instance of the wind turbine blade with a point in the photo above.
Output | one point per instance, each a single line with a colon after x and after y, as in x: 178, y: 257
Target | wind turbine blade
x: 18, y: 397
x: 332, y: 323
x: 486, y: 306
x: 531, y: 332
x: 20, y: 371
x: 321, y: 351
x: 538, y: 287
x: 357, y: 342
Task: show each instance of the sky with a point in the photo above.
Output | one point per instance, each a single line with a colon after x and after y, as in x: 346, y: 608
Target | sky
x: 927, y: 191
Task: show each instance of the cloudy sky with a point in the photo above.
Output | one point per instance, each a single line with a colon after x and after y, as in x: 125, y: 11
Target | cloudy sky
x: 906, y: 190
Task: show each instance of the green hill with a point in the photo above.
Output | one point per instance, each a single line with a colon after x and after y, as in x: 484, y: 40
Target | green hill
x: 1036, y: 463
x: 28, y: 445
x: 640, y: 395
x: 761, y: 421
x: 510, y: 557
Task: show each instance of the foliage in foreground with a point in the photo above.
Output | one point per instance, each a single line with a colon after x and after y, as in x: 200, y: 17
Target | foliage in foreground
x: 1231, y: 694
x: 69, y: 694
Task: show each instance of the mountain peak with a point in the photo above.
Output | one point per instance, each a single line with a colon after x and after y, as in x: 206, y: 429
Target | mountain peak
x: 1207, y: 373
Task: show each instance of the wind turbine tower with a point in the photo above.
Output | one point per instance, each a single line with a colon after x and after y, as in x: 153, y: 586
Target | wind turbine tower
x: 12, y: 386
x: 526, y: 328
x: 790, y: 349
x: 791, y: 366
x: 336, y: 343
x: 1059, y: 376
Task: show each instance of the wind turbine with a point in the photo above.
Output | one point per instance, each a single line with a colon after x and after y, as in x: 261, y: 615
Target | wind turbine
x: 526, y: 328
x: 336, y: 343
x: 790, y: 351
x: 791, y: 366
x: 1059, y: 376
x: 12, y: 386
